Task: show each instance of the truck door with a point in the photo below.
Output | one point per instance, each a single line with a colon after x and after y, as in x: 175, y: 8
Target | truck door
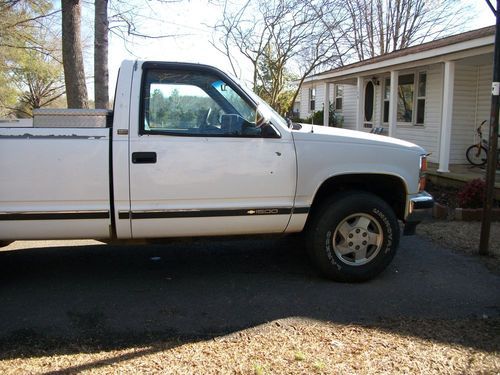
x: 203, y: 161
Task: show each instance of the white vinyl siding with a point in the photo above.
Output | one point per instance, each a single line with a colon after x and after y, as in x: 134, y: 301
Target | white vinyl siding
x: 472, y: 85
x: 484, y: 96
x: 320, y: 97
x: 349, y: 104
x: 427, y: 136
x: 304, y: 101
x: 464, y: 103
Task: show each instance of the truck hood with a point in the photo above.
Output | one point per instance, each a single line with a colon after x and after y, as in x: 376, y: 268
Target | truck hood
x: 317, y: 133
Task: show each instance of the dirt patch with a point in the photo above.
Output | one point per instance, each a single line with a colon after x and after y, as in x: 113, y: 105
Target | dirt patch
x: 295, y: 346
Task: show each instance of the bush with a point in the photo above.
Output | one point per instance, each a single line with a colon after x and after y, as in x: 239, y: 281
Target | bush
x: 472, y: 194
x: 336, y: 119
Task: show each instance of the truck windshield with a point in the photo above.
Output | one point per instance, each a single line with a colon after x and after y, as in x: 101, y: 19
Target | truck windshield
x: 265, y: 109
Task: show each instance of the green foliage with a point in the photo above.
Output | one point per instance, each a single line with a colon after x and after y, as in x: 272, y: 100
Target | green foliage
x: 299, y: 356
x: 177, y: 111
x: 39, y: 79
x: 29, y: 70
x: 336, y: 119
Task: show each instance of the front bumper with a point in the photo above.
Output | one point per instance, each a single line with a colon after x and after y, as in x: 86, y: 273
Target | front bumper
x: 420, y: 208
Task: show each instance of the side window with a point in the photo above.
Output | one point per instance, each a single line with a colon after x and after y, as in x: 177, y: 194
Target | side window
x: 387, y: 95
x: 177, y: 102
x: 405, y: 97
x: 180, y: 108
x: 312, y: 99
x: 339, y: 95
x: 422, y: 84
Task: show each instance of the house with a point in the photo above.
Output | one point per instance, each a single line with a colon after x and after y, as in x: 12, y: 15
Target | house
x: 441, y: 93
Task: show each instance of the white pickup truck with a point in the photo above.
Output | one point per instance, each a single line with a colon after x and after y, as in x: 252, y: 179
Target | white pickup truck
x: 187, y: 151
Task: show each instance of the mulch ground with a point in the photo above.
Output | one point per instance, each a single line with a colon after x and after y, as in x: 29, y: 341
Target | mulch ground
x: 447, y: 196
x: 291, y: 346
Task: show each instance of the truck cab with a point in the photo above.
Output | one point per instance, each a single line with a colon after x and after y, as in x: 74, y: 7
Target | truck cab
x: 188, y: 151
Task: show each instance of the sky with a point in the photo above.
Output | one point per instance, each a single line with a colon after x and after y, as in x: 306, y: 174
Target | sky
x: 193, y: 20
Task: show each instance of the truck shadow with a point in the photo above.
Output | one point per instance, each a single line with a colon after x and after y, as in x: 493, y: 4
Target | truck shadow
x: 111, y: 297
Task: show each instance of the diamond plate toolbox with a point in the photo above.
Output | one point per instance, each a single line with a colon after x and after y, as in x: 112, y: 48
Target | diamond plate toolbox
x: 71, y: 118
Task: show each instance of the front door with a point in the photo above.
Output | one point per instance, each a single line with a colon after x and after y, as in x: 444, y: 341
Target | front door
x: 369, y: 101
x: 204, y: 162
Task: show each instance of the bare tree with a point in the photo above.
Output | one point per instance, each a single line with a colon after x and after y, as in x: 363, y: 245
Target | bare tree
x: 74, y: 73
x: 377, y: 27
x: 278, y: 37
x: 101, y: 73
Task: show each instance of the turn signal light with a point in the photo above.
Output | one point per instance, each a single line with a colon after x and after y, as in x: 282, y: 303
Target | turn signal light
x: 423, y: 169
x: 423, y: 163
x: 421, y: 183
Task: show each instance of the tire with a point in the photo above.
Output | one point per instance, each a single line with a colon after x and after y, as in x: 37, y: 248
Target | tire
x: 354, y: 237
x: 477, y: 158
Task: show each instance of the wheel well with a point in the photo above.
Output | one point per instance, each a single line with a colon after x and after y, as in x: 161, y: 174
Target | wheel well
x: 389, y: 188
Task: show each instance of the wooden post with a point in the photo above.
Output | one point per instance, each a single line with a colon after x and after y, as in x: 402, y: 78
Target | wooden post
x: 493, y: 143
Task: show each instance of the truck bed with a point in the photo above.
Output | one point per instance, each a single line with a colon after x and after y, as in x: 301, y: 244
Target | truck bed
x: 54, y: 183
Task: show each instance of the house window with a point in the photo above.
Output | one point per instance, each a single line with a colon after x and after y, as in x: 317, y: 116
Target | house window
x: 339, y: 96
x: 422, y: 83
x: 405, y: 97
x: 312, y: 99
x: 387, y: 95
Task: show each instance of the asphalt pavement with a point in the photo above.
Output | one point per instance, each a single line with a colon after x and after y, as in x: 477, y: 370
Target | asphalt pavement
x: 136, y: 294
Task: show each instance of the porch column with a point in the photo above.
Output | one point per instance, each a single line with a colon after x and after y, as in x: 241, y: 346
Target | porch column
x: 393, y: 103
x: 359, y: 111
x: 326, y: 105
x: 447, y: 116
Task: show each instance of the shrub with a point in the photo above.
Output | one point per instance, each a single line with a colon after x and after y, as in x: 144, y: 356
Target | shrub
x: 472, y: 194
x: 336, y: 119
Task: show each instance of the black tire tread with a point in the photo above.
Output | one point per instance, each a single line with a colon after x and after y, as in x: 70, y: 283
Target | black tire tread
x: 332, y: 210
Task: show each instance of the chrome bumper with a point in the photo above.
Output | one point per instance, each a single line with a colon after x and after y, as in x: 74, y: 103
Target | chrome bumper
x: 420, y: 208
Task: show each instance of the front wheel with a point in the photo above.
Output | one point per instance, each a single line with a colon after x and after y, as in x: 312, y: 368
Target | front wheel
x: 477, y: 155
x: 354, y: 237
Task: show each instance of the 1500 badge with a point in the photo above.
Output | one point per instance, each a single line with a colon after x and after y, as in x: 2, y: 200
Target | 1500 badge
x: 267, y: 211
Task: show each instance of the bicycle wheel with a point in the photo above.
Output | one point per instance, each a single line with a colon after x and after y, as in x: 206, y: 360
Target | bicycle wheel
x: 477, y: 155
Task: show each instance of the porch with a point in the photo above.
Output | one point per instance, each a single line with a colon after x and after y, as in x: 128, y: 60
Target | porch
x: 459, y: 175
x: 434, y: 95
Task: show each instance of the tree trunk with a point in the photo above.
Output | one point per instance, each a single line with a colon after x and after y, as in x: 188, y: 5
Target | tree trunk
x: 74, y: 73
x: 101, y: 74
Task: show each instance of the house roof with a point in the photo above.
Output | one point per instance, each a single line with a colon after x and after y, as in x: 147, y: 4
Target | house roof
x: 439, y: 43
